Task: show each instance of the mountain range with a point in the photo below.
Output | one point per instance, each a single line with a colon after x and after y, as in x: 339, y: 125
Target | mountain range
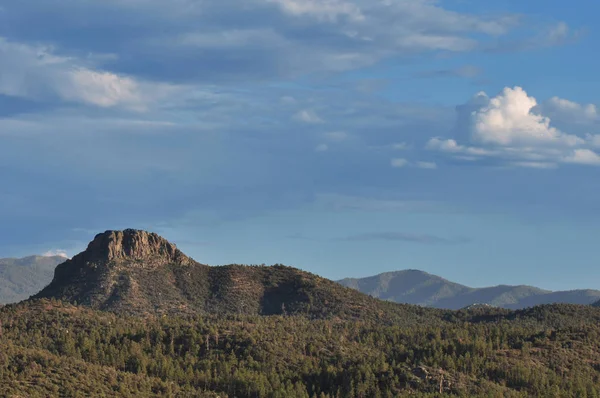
x: 421, y: 288
x: 22, y: 277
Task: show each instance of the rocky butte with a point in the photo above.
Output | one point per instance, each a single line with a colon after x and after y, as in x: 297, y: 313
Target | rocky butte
x: 138, y: 272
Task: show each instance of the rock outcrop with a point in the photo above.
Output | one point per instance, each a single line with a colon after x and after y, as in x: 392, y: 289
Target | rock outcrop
x: 131, y: 244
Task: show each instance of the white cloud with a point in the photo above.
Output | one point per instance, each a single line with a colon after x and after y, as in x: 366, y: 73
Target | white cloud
x: 451, y: 146
x: 399, y: 162
x: 307, y: 116
x: 583, y: 156
x: 508, y: 119
x: 57, y: 252
x: 101, y: 88
x: 511, y: 128
x: 38, y: 73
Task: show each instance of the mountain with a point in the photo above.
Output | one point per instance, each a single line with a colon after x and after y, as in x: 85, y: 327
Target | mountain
x: 596, y: 304
x: 22, y: 277
x: 137, y: 272
x: 421, y: 288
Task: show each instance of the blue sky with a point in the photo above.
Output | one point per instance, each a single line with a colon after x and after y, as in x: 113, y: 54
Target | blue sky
x: 344, y: 137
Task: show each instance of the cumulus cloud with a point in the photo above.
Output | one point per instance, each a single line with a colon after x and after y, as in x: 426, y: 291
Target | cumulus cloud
x: 508, y: 120
x: 511, y: 128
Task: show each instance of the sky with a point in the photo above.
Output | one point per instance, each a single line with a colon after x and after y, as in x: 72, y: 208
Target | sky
x: 342, y: 137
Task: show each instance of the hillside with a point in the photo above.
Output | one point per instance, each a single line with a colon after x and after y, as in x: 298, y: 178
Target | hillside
x: 137, y: 272
x: 23, y: 277
x: 49, y: 348
x: 421, y: 288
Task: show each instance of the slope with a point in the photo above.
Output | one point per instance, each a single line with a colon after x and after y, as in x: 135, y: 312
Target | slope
x: 49, y: 348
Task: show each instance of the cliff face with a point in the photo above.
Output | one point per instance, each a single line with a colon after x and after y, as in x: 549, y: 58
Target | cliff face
x: 129, y: 245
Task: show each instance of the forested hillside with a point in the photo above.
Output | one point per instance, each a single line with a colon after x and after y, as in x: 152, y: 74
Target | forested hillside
x: 49, y: 348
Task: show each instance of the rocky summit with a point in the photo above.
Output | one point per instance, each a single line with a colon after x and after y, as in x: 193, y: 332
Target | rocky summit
x: 132, y: 244
x: 138, y: 272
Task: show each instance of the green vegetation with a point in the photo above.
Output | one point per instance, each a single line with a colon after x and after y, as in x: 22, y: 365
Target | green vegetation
x: 50, y: 348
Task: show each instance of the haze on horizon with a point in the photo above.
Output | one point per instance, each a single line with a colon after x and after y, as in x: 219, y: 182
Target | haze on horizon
x: 343, y: 137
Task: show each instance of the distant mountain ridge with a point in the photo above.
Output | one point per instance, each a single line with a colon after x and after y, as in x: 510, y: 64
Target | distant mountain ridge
x: 23, y: 277
x: 422, y: 288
